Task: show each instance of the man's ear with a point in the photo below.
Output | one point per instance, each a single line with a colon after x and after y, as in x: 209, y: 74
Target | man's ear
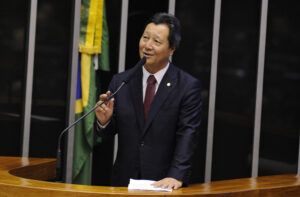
x: 172, y: 50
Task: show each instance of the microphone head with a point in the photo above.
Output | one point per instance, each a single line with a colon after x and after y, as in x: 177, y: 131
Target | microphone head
x: 142, y: 61
x: 136, y: 67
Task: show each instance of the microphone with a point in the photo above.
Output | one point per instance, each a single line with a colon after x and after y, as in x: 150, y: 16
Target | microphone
x: 136, y: 67
x: 58, y: 153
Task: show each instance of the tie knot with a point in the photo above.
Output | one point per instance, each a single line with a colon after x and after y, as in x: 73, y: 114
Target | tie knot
x: 151, y: 79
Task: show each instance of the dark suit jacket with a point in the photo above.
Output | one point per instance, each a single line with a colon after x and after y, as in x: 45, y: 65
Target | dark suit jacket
x: 161, y: 146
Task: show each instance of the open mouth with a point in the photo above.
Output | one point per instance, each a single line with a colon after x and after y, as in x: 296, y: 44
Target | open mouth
x: 147, y: 55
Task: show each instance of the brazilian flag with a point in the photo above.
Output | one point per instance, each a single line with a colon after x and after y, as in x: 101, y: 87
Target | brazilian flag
x: 93, y: 52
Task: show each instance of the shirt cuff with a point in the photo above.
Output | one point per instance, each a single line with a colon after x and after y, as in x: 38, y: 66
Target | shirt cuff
x: 102, y: 126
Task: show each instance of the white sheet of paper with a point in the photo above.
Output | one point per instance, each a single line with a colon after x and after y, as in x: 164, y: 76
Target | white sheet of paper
x: 144, y: 185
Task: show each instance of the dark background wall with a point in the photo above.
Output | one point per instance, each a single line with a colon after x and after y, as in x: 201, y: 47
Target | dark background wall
x: 236, y: 84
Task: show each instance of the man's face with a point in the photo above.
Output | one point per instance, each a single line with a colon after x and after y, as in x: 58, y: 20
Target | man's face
x: 154, y: 45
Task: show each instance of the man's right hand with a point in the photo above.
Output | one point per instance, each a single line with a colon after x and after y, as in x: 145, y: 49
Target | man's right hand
x: 105, y: 111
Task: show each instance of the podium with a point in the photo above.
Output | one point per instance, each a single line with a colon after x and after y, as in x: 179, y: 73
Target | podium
x: 26, y: 177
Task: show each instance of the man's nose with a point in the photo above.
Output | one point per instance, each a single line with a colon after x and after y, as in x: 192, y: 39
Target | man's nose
x: 149, y: 44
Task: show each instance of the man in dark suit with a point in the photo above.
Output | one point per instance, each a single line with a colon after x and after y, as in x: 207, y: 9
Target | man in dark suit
x: 157, y: 119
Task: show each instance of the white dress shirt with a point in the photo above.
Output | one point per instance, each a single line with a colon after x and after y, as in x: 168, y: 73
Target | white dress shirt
x: 158, y: 76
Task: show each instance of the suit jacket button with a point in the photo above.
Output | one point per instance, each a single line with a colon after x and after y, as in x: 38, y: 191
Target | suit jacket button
x: 142, y: 144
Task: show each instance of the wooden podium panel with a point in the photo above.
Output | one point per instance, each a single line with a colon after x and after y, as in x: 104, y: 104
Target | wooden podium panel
x: 26, y: 177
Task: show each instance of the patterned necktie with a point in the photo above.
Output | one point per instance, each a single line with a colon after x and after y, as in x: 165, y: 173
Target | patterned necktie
x: 149, y: 95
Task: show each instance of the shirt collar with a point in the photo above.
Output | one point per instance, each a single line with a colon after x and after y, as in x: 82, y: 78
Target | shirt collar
x: 158, y: 75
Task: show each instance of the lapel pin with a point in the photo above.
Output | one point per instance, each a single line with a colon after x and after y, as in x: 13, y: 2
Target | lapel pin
x: 168, y: 84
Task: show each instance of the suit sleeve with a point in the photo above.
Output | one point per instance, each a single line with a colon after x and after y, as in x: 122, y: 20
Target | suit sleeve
x: 187, y: 133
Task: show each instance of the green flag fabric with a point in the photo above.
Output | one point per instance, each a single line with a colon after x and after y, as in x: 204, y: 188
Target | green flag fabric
x: 93, y: 47
x: 103, y: 57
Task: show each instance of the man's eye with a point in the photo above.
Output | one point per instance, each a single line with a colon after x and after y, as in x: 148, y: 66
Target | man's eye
x: 157, y: 42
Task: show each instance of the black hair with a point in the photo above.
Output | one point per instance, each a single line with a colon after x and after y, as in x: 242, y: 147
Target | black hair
x: 174, y: 27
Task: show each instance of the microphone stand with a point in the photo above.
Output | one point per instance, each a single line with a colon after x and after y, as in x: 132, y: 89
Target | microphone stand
x: 58, y: 155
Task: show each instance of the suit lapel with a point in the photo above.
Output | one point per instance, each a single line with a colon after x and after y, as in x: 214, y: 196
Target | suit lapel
x: 166, y: 86
x: 136, y: 91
